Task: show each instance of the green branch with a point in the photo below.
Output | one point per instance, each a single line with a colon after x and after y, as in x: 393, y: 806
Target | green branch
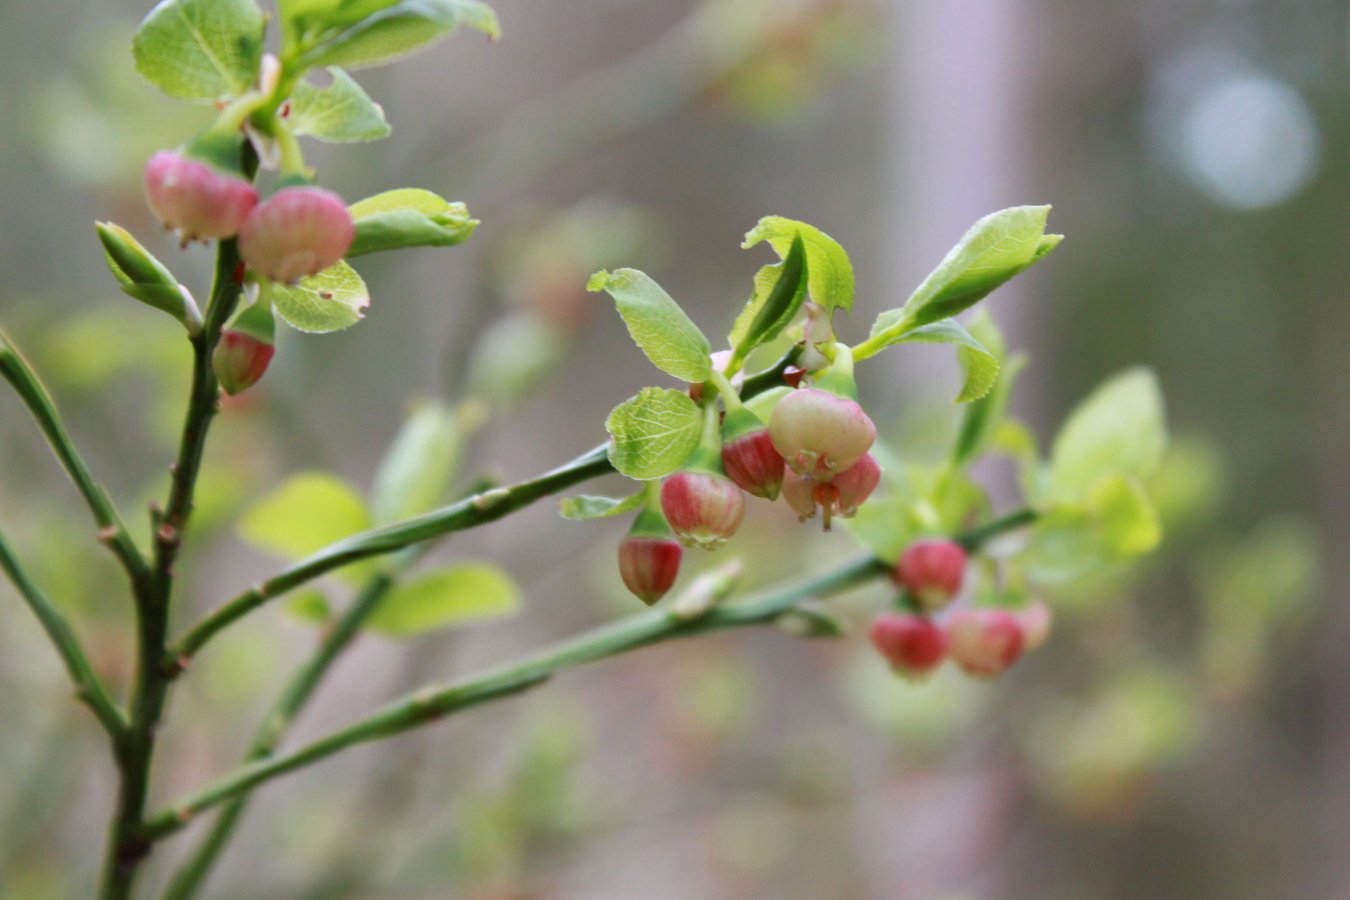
x: 112, y: 531
x: 88, y: 687
x: 468, y: 513
x: 641, y: 630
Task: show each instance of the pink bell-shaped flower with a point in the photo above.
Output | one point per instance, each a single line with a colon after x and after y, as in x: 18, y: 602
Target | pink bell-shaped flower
x: 298, y: 231
x: 932, y: 572
x: 195, y: 199
x: 913, y: 645
x: 985, y: 641
x: 820, y: 434
x: 702, y: 508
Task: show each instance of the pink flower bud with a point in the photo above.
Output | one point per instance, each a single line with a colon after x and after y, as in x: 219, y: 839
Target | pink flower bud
x: 818, y: 433
x: 985, y: 641
x: 649, y: 566
x: 298, y: 231
x: 932, y: 572
x: 196, y: 200
x: 239, y: 360
x: 753, y: 463
x: 913, y: 645
x: 840, y: 496
x: 1037, y: 621
x: 702, y: 509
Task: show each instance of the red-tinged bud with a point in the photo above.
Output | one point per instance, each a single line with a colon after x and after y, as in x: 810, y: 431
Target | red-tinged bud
x: 985, y: 641
x: 702, y: 508
x: 1037, y: 621
x: 819, y: 433
x: 793, y: 375
x: 753, y: 463
x: 913, y: 645
x: 932, y: 572
x: 195, y: 199
x: 245, y: 350
x: 298, y: 231
x: 649, y: 566
x: 840, y: 496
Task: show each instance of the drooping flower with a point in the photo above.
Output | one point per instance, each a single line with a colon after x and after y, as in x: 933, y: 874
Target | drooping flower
x: 298, y: 231
x: 913, y: 645
x: 195, y: 199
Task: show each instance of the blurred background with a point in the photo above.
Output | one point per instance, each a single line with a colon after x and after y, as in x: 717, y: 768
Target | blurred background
x: 1186, y: 732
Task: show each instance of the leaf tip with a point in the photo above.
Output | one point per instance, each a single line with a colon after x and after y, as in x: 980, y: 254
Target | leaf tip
x: 598, y: 282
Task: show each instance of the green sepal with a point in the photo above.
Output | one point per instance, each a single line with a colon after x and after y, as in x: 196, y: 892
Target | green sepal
x: 221, y: 148
x: 145, y: 278
x: 738, y: 423
x: 706, y: 461
x: 763, y: 403
x: 839, y: 384
x: 256, y: 321
x: 295, y: 179
x: 651, y: 523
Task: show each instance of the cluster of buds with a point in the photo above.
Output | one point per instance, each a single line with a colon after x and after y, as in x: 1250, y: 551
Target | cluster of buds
x: 983, y: 641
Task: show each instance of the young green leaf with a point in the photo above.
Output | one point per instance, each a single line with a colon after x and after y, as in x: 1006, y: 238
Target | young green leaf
x: 779, y: 292
x: 329, y: 301
x: 980, y: 365
x: 418, y: 466
x: 408, y: 217
x: 339, y: 113
x: 671, y: 341
x: 654, y: 433
x: 146, y: 278
x: 309, y: 606
x: 579, y: 509
x: 456, y: 595
x: 370, y: 32
x: 984, y: 416
x: 200, y: 49
x: 829, y: 271
x: 305, y: 514
x: 1125, y: 517
x: 995, y: 249
x: 1119, y: 430
x: 885, y: 526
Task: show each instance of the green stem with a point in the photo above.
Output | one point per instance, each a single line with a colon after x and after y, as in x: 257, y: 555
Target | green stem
x: 127, y: 843
x: 729, y: 395
x: 112, y: 531
x: 771, y: 377
x: 468, y: 513
x: 881, y: 340
x: 88, y: 687
x: 431, y: 704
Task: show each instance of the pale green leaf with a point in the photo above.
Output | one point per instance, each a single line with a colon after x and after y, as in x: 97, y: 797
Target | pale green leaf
x: 305, y: 514
x: 995, y: 249
x: 654, y: 433
x: 779, y: 292
x: 308, y: 606
x: 579, y: 509
x: 418, y: 466
x: 329, y: 301
x: 371, y: 32
x: 984, y: 417
x: 1125, y: 517
x: 200, y: 49
x: 829, y: 273
x: 339, y: 113
x: 457, y: 595
x: 408, y: 217
x: 981, y: 366
x: 670, y: 339
x: 1119, y: 430
x: 885, y: 526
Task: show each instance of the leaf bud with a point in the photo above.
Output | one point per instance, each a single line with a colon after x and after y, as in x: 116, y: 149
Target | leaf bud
x: 245, y: 349
x: 146, y: 278
x: 196, y: 199
x: 703, y: 508
x: 913, y: 645
x: 819, y: 433
x: 932, y: 571
x: 985, y: 641
x: 298, y: 231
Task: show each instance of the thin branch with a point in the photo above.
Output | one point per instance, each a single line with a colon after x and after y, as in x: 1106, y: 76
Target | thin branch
x: 112, y: 531
x: 652, y: 627
x: 468, y: 513
x: 88, y: 688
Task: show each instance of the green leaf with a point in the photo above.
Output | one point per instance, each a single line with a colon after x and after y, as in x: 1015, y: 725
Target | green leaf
x: 654, y: 433
x: 329, y: 301
x: 579, y: 509
x: 418, y: 466
x: 355, y: 33
x: 885, y: 525
x: 829, y: 274
x: 995, y: 249
x: 984, y: 417
x: 200, y: 49
x: 980, y: 365
x: 145, y: 278
x: 1125, y: 517
x: 779, y: 292
x: 309, y: 606
x: 340, y: 113
x: 408, y: 217
x: 305, y: 514
x: 671, y: 341
x: 1119, y: 430
x: 468, y: 592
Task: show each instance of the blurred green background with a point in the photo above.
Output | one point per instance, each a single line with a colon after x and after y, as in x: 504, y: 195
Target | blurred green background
x: 1186, y: 733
